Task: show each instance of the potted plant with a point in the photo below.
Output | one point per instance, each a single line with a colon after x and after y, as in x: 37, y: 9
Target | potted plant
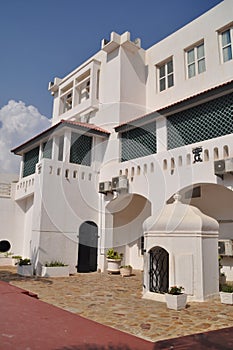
x: 24, y: 267
x: 15, y: 259
x: 226, y: 294
x: 55, y: 268
x: 126, y: 270
x: 114, y: 261
x: 175, y: 298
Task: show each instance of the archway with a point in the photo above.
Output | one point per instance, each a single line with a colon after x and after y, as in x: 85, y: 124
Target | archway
x: 126, y: 214
x: 87, y: 249
x: 159, y: 270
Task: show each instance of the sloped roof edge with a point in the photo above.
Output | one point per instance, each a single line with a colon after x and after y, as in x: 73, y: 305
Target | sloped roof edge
x: 85, y: 127
x: 223, y: 88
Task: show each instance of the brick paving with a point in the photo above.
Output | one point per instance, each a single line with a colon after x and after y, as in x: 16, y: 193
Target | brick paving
x: 116, y: 302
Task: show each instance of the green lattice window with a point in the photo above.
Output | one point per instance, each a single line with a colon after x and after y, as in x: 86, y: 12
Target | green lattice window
x: 138, y: 142
x: 30, y: 160
x: 80, y: 150
x: 47, y: 149
x: 206, y: 121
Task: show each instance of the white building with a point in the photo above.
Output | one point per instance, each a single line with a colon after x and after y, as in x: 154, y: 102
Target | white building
x: 131, y: 128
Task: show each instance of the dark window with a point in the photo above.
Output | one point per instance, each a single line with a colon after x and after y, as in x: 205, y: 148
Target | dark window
x: 206, y: 121
x: 30, y: 160
x: 138, y: 142
x: 60, y: 147
x: 80, y: 150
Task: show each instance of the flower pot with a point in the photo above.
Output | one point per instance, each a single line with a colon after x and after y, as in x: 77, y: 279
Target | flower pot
x: 126, y: 271
x: 226, y: 298
x: 55, y: 271
x: 113, y: 265
x: 25, y: 270
x: 176, y: 302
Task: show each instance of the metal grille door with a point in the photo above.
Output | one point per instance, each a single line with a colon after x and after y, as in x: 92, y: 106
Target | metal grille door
x: 159, y: 276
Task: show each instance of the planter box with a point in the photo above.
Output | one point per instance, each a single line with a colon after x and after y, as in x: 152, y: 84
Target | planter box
x: 176, y: 302
x: 55, y: 271
x: 226, y: 298
x: 113, y: 265
x: 25, y: 270
x: 126, y: 271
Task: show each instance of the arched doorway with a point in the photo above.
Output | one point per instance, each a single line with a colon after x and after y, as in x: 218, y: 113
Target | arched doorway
x: 159, y: 270
x: 87, y: 249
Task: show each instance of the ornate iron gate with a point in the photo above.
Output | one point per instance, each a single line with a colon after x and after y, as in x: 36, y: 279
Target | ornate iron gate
x: 159, y: 275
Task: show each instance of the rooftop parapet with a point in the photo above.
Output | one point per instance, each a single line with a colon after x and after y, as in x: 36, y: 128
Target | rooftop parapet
x: 117, y: 40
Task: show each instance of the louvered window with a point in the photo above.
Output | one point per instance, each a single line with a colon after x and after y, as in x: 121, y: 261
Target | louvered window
x: 30, y: 160
x: 206, y: 121
x: 80, y: 150
x: 138, y: 142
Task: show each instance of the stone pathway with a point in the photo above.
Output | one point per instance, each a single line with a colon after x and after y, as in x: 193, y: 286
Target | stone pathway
x: 116, y: 302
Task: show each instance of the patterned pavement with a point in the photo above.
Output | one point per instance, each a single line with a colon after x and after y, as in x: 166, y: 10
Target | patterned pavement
x: 116, y: 302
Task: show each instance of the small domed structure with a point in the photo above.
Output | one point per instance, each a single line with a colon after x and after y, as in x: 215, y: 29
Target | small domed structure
x: 180, y: 217
x: 181, y: 249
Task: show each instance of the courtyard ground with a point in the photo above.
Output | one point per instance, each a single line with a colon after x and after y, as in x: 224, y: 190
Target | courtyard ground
x: 117, y: 302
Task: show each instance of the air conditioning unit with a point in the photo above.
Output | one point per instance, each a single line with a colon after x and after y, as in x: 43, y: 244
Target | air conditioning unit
x: 223, y: 166
x: 225, y: 247
x: 105, y: 187
x: 119, y: 183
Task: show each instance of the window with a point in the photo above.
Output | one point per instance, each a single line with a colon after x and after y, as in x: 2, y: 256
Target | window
x: 165, y: 73
x: 80, y: 151
x: 30, y: 160
x: 226, y: 38
x: 47, y: 149
x: 60, y: 147
x: 195, y: 58
x: 138, y: 142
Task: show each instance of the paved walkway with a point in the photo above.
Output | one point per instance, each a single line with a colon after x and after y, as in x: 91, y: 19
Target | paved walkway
x: 116, y: 302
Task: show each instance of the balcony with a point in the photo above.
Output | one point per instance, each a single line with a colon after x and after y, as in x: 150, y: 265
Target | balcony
x: 25, y: 187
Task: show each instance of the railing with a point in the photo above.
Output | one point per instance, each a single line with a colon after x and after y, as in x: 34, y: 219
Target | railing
x: 176, y: 160
x: 25, y: 187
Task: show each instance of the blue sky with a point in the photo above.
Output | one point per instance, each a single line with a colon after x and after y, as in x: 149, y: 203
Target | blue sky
x: 48, y: 38
x: 40, y: 40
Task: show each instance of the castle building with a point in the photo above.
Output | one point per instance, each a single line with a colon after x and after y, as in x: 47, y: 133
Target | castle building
x: 130, y: 129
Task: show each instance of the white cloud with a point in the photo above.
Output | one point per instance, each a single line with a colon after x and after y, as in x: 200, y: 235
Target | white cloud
x: 18, y: 123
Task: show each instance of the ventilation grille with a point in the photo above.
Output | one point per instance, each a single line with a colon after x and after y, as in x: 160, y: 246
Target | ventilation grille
x: 206, y: 121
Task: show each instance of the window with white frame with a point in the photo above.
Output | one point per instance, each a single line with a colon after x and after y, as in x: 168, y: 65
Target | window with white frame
x: 165, y: 75
x: 226, y: 39
x: 195, y: 59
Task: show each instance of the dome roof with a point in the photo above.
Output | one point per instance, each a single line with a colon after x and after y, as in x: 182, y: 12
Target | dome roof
x: 180, y: 217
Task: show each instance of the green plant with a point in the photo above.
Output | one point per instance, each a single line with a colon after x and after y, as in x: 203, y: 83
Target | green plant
x: 113, y: 254
x: 227, y: 288
x: 25, y: 261
x: 8, y: 254
x: 17, y: 257
x: 126, y: 267
x: 54, y: 263
x: 176, y: 290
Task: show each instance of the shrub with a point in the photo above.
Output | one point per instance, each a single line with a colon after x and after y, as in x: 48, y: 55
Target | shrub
x: 176, y: 290
x: 113, y: 254
x: 24, y: 262
x: 227, y: 288
x: 54, y: 263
